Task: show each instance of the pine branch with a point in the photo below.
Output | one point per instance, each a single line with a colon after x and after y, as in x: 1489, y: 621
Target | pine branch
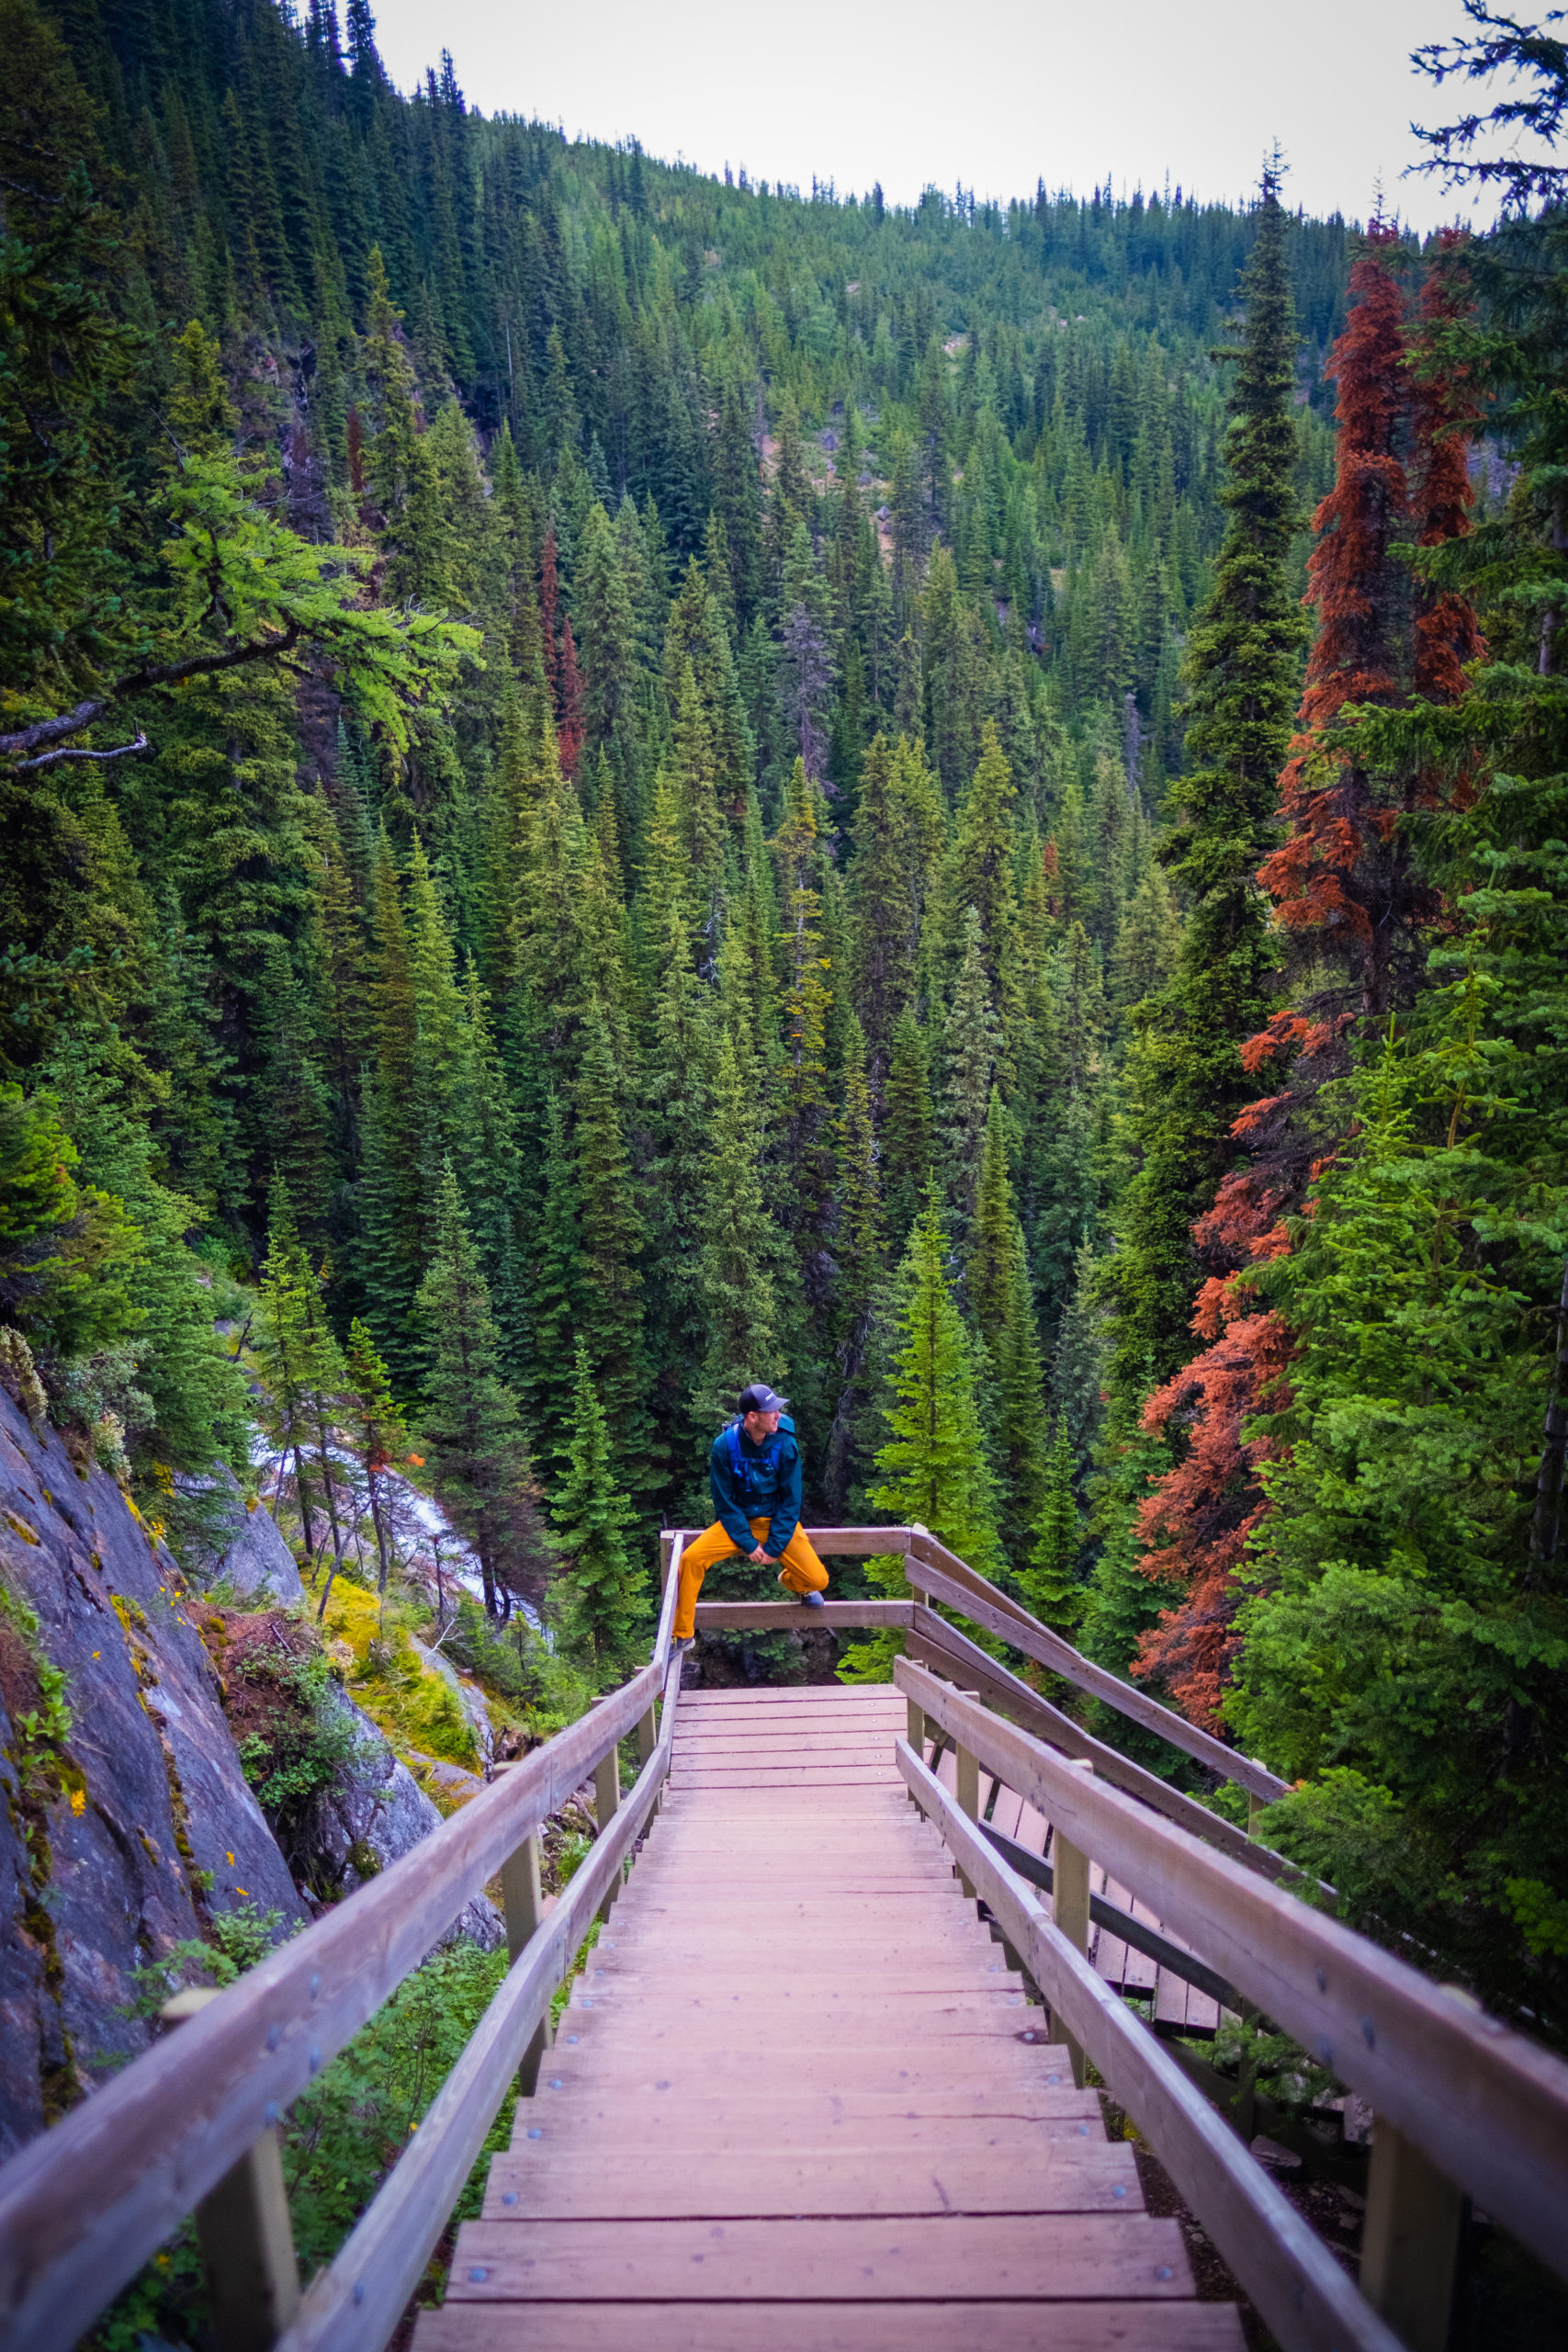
x: 144, y: 680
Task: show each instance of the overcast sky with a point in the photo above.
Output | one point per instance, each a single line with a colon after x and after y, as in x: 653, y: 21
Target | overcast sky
x: 995, y: 97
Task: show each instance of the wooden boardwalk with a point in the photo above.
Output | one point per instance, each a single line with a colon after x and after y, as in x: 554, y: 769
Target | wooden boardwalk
x: 798, y: 2101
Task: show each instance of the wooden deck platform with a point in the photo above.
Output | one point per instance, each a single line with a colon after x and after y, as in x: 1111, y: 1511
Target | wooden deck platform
x: 798, y: 2103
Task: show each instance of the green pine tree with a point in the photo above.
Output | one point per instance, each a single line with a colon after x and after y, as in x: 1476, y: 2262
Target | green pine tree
x: 1049, y: 1582
x: 600, y: 1595
x: 934, y: 1467
x: 377, y: 1431
x: 741, y: 1249
x: 971, y: 1046
x: 470, y: 1427
x: 1242, y: 668
x: 908, y: 1129
x: 302, y: 1375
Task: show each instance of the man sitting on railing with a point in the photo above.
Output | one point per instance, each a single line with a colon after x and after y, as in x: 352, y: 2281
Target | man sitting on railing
x: 754, y: 1471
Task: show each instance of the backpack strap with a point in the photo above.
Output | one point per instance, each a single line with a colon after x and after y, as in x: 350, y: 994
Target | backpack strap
x: 741, y: 1470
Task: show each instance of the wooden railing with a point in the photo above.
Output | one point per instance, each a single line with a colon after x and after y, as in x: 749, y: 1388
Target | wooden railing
x: 931, y: 1569
x: 1462, y: 2106
x: 193, y: 2123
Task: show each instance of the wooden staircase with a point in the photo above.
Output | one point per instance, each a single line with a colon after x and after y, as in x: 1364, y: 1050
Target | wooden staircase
x: 798, y: 2098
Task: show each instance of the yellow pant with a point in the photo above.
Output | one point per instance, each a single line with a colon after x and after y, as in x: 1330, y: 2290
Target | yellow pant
x: 800, y: 1570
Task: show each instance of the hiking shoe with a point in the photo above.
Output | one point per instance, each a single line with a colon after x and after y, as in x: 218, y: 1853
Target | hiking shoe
x: 803, y: 1599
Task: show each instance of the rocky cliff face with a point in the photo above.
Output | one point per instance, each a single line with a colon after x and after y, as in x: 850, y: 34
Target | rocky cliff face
x: 129, y: 1824
x: 128, y: 1821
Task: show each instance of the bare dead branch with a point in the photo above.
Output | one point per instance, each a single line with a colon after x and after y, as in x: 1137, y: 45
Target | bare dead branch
x: 44, y: 732
x: 119, y: 752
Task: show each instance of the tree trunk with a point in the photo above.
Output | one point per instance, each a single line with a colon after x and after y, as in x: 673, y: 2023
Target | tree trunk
x: 1546, y: 1522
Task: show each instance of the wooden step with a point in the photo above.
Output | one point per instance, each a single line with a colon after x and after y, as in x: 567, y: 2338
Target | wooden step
x: 799, y: 2118
x: 799, y: 2102
x: 763, y: 2073
x: 944, y: 2326
x: 548, y: 2179
x: 1036, y: 2257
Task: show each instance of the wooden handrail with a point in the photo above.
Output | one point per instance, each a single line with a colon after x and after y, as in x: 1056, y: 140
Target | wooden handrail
x: 935, y: 1638
x: 933, y: 1568
x: 671, y: 1563
x: 82, y: 2206
x: 1489, y: 2107
x: 1303, y: 2294
x: 834, y: 1543
x: 769, y: 1616
x: 973, y: 1597
x: 359, y: 2298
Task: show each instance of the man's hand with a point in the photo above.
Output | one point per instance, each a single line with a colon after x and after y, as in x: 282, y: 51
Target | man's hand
x: 759, y: 1555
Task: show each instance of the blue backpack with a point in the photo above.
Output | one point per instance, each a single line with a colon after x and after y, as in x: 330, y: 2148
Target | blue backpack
x: 755, y: 1477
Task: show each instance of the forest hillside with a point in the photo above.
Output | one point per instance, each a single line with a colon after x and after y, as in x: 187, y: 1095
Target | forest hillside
x: 612, y: 783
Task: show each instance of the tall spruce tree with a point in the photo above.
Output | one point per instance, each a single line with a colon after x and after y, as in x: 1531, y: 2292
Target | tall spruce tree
x: 471, y: 1428
x: 302, y: 1375
x: 934, y: 1467
x: 1047, y: 1582
x: 377, y: 1431
x: 1242, y: 674
x: 599, y: 1598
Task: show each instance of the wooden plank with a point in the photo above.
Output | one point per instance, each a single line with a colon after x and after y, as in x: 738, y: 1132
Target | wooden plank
x: 776, y: 1908
x: 760, y: 1783
x: 655, y: 2131
x: 780, y: 1985
x: 1299, y: 2288
x: 358, y: 2297
x: 844, y: 1542
x: 547, y: 2181
x: 841, y: 1742
x: 1013, y: 2067
x: 801, y: 2118
x: 768, y: 1701
x: 1040, y: 2258
x: 764, y: 1616
x: 869, y: 1767
x: 826, y: 1948
x: 1066, y: 1732
x: 862, y: 2327
x: 1489, y: 2107
x: 82, y: 2207
x: 979, y: 2006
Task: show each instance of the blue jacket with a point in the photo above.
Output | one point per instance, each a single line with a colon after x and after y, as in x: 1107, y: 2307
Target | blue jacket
x: 757, y: 1482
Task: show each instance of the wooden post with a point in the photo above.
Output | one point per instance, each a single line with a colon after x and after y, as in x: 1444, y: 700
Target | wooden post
x: 967, y: 1787
x: 1409, y: 2240
x: 1069, y: 1901
x: 1243, y: 2106
x: 606, y: 1803
x: 647, y: 1737
x: 523, y: 1903
x: 916, y: 1733
x: 243, y: 2228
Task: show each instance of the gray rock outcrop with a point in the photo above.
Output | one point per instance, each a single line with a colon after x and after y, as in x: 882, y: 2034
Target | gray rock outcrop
x: 375, y: 1813
x: 469, y: 1697
x: 245, y: 1549
x: 141, y: 1824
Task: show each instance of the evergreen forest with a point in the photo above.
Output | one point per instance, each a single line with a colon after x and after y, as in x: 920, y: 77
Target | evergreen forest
x: 613, y: 782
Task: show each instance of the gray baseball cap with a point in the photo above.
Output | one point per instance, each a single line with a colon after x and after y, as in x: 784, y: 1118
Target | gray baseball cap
x: 760, y: 1398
